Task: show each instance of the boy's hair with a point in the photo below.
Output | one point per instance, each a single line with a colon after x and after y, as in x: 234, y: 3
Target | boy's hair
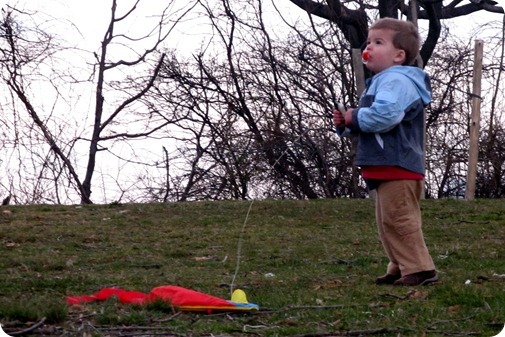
x: 406, y: 36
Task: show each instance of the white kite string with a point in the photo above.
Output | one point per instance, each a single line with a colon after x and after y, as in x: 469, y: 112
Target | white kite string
x: 240, y: 239
x: 239, y: 247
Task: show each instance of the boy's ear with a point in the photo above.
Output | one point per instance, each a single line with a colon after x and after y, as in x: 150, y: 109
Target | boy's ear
x: 400, y: 56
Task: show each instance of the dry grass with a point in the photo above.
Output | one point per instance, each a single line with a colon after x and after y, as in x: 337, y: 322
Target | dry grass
x: 310, y: 266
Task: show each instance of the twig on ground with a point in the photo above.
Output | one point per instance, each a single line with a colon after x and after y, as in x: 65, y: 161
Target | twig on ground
x: 411, y: 294
x: 450, y: 321
x: 168, y: 318
x: 453, y: 333
x: 393, y: 296
x: 83, y: 317
x: 166, y: 334
x: 131, y: 331
x: 295, y: 307
x: 386, y: 330
x: 310, y: 307
x: 248, y: 326
x: 350, y: 333
x: 129, y: 328
x: 27, y: 330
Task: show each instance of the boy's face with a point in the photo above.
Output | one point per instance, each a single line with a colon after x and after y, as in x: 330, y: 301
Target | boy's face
x: 382, y: 54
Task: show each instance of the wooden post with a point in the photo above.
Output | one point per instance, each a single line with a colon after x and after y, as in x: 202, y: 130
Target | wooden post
x: 359, y: 71
x: 413, y: 12
x: 475, y: 122
x: 359, y: 75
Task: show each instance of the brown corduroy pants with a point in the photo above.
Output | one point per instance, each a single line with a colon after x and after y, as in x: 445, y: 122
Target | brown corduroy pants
x: 398, y: 216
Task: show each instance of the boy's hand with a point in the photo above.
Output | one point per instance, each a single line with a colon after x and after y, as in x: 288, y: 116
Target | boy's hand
x: 348, y: 117
x: 338, y: 119
x: 339, y: 116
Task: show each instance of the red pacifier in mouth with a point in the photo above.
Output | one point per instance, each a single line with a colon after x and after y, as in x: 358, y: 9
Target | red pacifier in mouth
x: 365, y: 57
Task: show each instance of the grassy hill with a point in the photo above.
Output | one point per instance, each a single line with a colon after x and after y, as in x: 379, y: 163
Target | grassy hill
x: 309, y: 265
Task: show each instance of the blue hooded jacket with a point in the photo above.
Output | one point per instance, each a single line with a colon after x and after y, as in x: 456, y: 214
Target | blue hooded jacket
x: 389, y: 121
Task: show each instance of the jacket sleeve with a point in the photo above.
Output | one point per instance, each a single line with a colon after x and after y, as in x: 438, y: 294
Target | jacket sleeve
x: 346, y: 132
x: 392, y: 95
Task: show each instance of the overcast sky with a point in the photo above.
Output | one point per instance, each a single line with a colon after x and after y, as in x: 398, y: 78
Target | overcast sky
x: 82, y: 24
x: 85, y: 21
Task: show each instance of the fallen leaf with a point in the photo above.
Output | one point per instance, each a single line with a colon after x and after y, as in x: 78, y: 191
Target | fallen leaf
x: 453, y: 309
x: 203, y: 258
x: 418, y: 294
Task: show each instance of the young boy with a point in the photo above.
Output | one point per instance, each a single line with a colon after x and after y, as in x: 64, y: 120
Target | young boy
x: 389, y: 124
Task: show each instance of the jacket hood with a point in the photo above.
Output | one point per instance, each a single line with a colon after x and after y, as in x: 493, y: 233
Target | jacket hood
x: 417, y: 76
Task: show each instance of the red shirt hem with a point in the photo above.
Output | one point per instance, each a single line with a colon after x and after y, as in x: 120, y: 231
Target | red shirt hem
x: 389, y: 173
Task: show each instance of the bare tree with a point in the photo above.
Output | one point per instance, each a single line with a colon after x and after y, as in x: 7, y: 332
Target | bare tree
x: 116, y: 106
x: 354, y: 22
x: 278, y: 92
x: 448, y: 118
x: 261, y: 107
x: 245, y: 117
x: 24, y: 52
x: 491, y: 170
x: 214, y: 158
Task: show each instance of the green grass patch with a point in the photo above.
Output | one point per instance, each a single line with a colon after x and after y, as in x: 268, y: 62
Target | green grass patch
x: 309, y: 265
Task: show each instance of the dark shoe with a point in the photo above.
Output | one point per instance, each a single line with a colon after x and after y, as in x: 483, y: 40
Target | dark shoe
x: 387, y: 279
x: 421, y: 278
